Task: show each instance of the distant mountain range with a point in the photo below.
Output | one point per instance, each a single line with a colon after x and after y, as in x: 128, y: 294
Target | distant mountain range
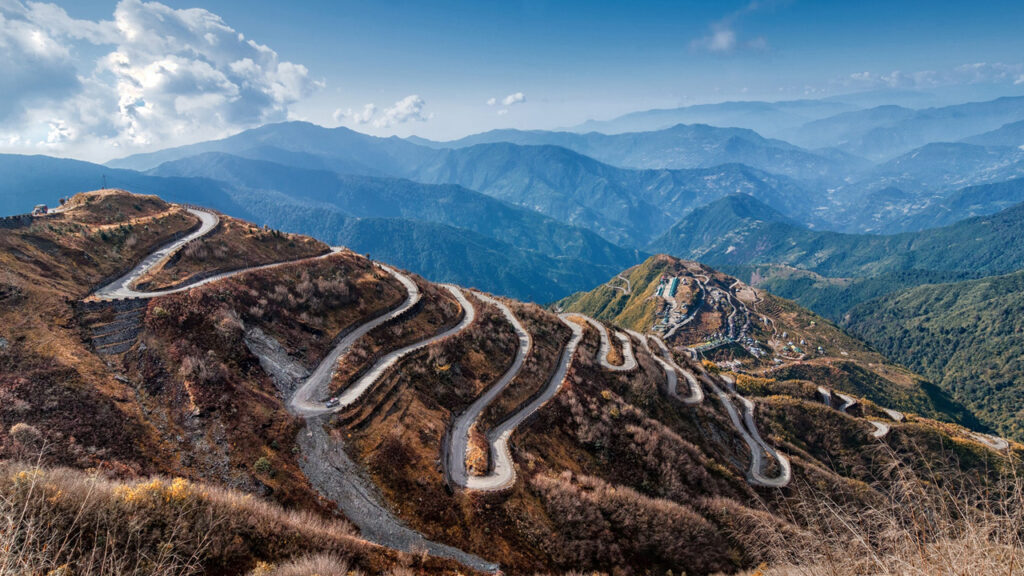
x: 741, y: 234
x: 885, y: 132
x: 681, y: 146
x: 764, y: 117
x: 515, y: 252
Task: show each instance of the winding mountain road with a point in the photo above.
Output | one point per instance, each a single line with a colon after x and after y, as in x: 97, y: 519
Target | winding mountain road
x: 994, y: 442
x: 696, y: 395
x: 122, y: 287
x: 881, y: 429
x: 502, y: 474
x: 319, y: 382
x: 848, y: 402
x: 826, y: 395
x: 628, y: 359
x: 316, y: 385
x: 753, y: 439
x: 896, y: 416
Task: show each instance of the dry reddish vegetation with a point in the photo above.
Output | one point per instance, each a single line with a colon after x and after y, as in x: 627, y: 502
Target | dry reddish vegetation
x: 59, y: 521
x: 613, y: 475
x: 549, y: 337
x: 233, y: 244
x: 434, y: 313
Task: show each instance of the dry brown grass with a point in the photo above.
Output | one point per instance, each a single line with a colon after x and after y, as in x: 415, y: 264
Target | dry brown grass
x: 61, y: 521
x: 233, y: 245
x: 925, y: 525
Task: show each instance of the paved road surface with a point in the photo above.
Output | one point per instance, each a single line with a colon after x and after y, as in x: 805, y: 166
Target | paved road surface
x: 696, y: 394
x: 753, y: 440
x: 303, y: 402
x: 826, y: 396
x: 332, y: 473
x: 881, y: 429
x: 628, y: 359
x: 896, y: 416
x: 502, y: 474
x: 848, y: 401
x: 352, y: 393
x: 121, y: 288
x: 993, y: 442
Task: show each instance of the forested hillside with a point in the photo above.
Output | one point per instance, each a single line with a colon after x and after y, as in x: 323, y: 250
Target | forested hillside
x: 965, y: 336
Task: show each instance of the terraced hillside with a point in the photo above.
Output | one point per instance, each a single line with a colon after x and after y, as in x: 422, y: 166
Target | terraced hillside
x: 436, y: 419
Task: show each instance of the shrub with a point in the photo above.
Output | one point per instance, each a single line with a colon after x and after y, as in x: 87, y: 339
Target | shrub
x: 263, y: 466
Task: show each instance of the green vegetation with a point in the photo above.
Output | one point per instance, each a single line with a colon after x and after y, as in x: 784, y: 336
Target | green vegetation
x: 831, y: 272
x: 965, y: 336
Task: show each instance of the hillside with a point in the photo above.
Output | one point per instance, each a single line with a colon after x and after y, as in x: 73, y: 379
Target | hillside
x: 393, y: 198
x: 961, y: 335
x: 743, y: 327
x: 336, y: 385
x: 786, y: 258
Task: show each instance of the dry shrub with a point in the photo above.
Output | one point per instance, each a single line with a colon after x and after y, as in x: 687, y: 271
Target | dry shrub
x: 64, y: 521
x: 926, y: 524
x: 313, y: 565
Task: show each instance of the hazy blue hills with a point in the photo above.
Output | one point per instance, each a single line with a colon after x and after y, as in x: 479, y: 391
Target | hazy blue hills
x: 550, y: 261
x: 303, y: 145
x: 31, y: 180
x: 626, y: 206
x: 1011, y: 134
x: 883, y: 133
x: 770, y: 118
x: 393, y: 198
x: 681, y: 146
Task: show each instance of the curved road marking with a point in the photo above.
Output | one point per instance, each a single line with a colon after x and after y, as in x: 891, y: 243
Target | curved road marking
x: 896, y: 416
x: 322, y: 377
x: 753, y: 440
x: 121, y: 288
x: 696, y: 395
x: 503, y: 473
x: 881, y: 429
x: 628, y: 359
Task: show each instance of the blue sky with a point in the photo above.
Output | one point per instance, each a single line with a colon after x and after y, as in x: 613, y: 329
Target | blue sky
x: 82, y: 82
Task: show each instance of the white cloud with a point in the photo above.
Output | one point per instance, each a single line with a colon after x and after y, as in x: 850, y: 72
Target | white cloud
x: 723, y: 38
x: 408, y: 109
x: 170, y: 77
x: 492, y: 101
x: 976, y: 73
x: 503, y: 112
x: 352, y: 117
x: 511, y: 99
